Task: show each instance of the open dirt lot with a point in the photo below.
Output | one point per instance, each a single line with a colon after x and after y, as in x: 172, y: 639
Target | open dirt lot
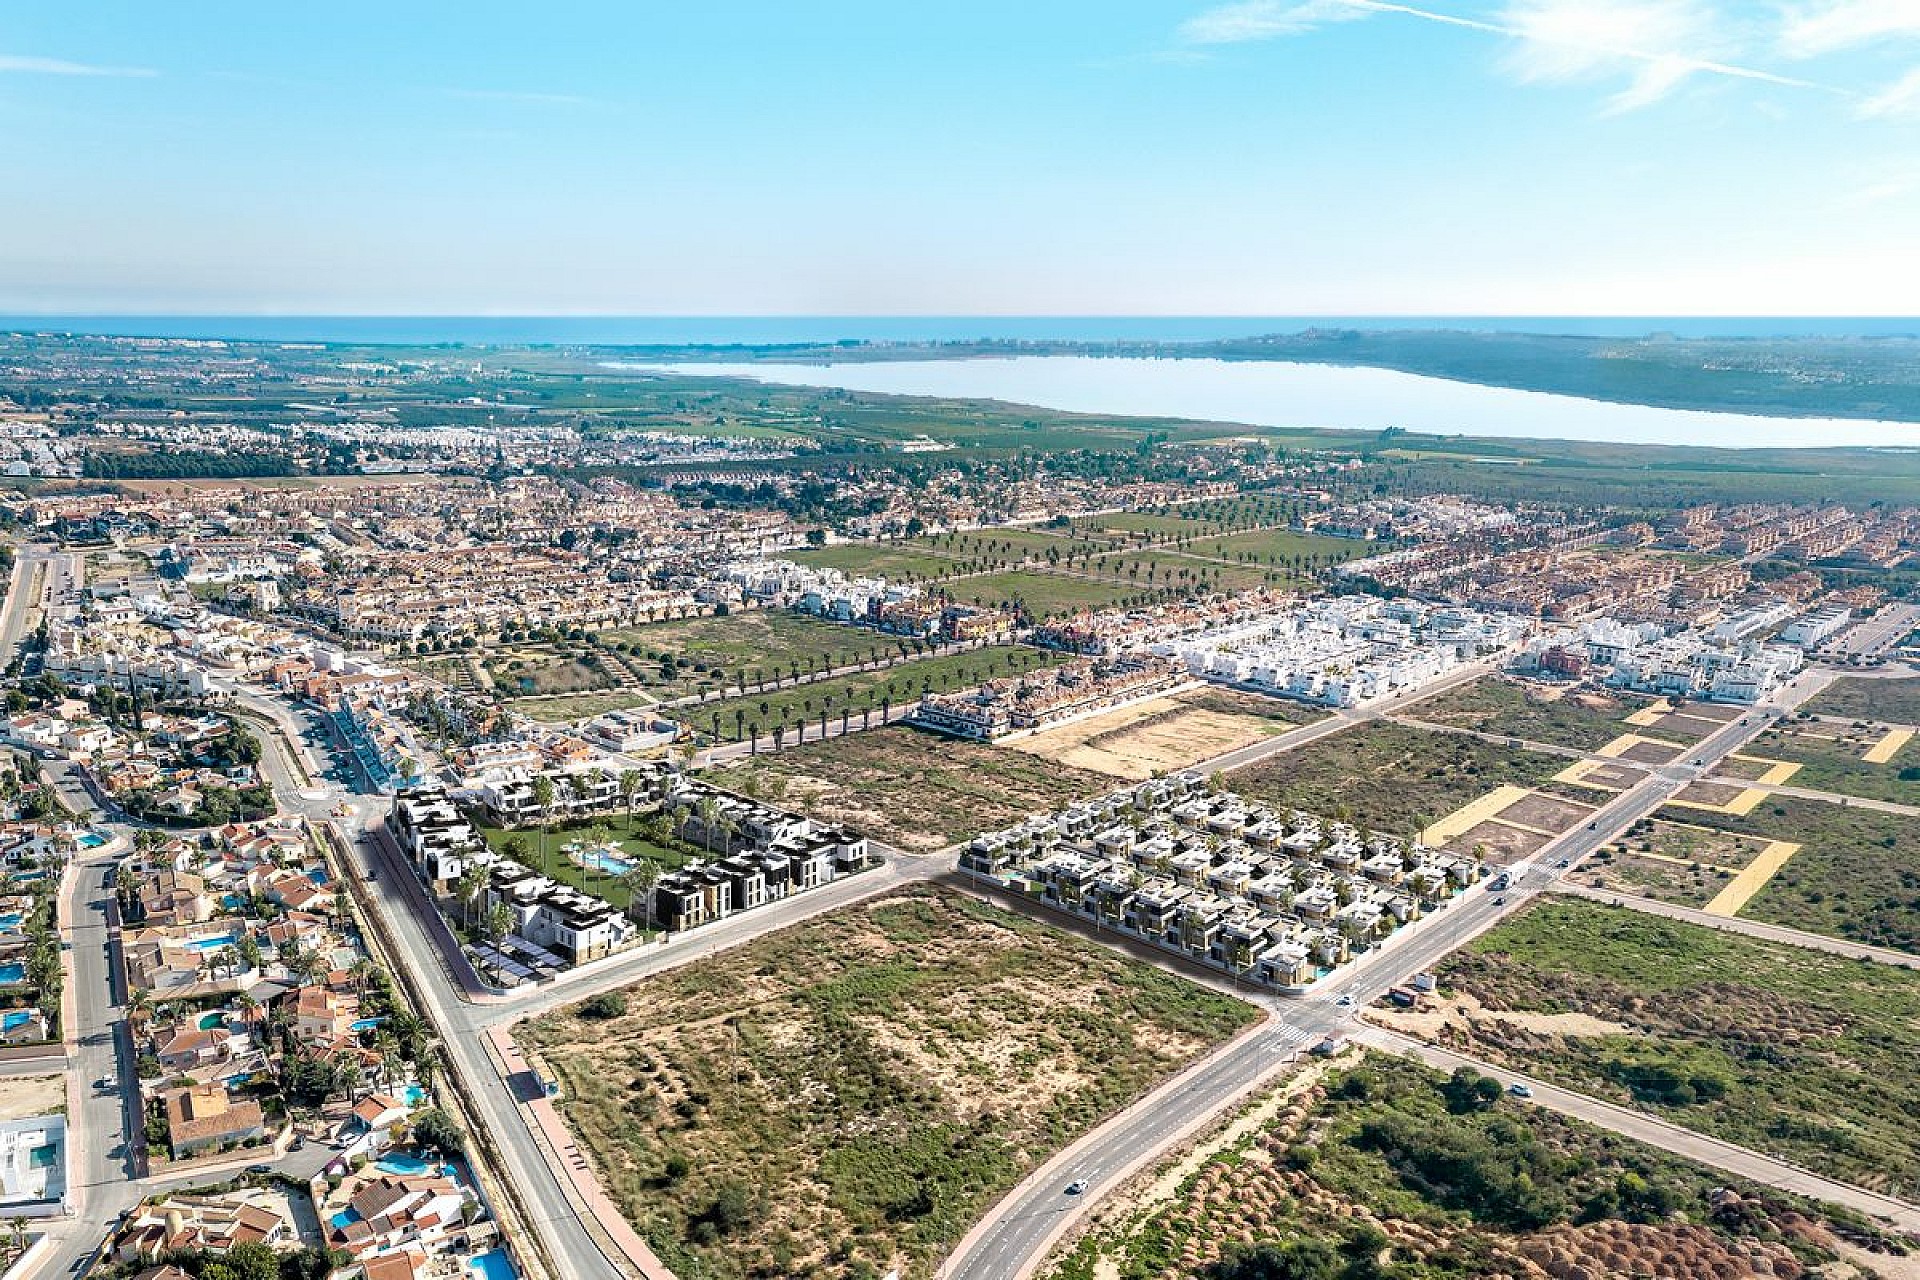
x: 22, y: 1096
x: 1502, y: 845
x: 847, y: 1096
x: 1161, y: 736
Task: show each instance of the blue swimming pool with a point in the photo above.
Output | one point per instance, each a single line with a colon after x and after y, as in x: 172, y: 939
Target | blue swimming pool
x: 11, y: 920
x: 367, y: 1024
x: 405, y: 1165
x: 413, y: 1095
x: 494, y: 1265
x: 15, y: 1018
x: 318, y: 875
x: 28, y: 877
x: 344, y: 1218
x: 12, y: 973
x: 91, y: 840
x: 605, y: 861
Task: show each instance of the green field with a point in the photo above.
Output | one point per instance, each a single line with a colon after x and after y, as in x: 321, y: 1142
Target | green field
x: 1281, y: 548
x: 1047, y: 595
x: 914, y: 790
x: 849, y: 1095
x: 1389, y: 1160
x: 1829, y: 756
x: 1853, y: 878
x: 897, y: 686
x: 1390, y: 778
x: 1536, y: 712
x: 1772, y: 1047
x: 1861, y: 698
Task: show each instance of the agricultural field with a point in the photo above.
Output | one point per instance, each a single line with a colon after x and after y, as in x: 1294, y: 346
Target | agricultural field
x: 1282, y: 549
x: 896, y: 686
x: 910, y: 789
x: 1165, y: 735
x: 1391, y: 778
x: 662, y: 661
x: 1531, y: 710
x: 1832, y: 758
x: 1863, y: 698
x: 1183, y: 571
x: 1849, y: 878
x: 1046, y: 595
x: 847, y: 1096
x: 1760, y: 1044
x: 1377, y: 1167
x: 1684, y: 863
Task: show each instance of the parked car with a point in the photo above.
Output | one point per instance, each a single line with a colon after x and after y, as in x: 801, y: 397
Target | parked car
x: 106, y: 1084
x: 260, y: 1170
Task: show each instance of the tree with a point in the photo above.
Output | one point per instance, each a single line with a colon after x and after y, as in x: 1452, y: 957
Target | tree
x: 435, y: 1129
x: 606, y: 1005
x: 543, y: 800
x: 640, y: 881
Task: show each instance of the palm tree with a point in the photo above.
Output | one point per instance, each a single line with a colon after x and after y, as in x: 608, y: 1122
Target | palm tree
x: 543, y: 799
x: 640, y: 880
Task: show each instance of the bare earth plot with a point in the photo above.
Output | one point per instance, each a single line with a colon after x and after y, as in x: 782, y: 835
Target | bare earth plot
x: 913, y: 790
x: 1531, y: 710
x: 1164, y: 735
x: 848, y: 1096
x: 1684, y: 863
x: 1889, y: 701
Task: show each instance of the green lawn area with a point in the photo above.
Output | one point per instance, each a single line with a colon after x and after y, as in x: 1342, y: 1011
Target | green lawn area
x: 849, y: 1095
x: 1278, y: 547
x: 899, y: 685
x: 1854, y: 876
x: 1186, y: 571
x: 580, y: 707
x: 914, y: 790
x: 1537, y: 712
x: 1390, y: 778
x: 634, y: 843
x: 1861, y: 698
x: 1774, y: 1047
x: 764, y: 640
x: 1046, y: 595
x: 1387, y: 1155
x: 1830, y: 760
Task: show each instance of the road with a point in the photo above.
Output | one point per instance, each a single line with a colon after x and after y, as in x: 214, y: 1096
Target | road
x: 1016, y: 1234
x: 43, y: 578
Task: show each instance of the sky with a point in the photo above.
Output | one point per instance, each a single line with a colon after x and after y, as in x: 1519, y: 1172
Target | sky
x: 1046, y: 157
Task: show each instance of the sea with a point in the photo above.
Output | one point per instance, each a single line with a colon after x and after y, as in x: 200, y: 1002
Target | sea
x: 769, y: 330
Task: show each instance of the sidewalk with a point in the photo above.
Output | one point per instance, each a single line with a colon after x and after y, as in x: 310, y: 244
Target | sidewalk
x: 577, y: 1174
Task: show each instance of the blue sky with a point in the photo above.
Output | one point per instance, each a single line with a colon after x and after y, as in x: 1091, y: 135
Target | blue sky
x: 1276, y: 157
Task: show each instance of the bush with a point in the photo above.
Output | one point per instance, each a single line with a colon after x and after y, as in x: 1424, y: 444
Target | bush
x: 608, y: 1004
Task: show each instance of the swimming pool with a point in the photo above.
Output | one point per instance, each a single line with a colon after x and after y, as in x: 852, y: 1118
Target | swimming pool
x: 404, y: 1165
x: 11, y: 920
x: 15, y: 1018
x: 367, y: 1024
x: 413, y: 1095
x: 28, y: 877
x: 492, y: 1265
x: 91, y: 840
x: 211, y: 944
x: 318, y: 875
x: 344, y: 1218
x: 12, y: 973
x: 208, y: 1021
x: 603, y: 860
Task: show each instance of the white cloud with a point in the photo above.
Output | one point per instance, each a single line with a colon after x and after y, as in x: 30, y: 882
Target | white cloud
x: 20, y: 65
x: 1898, y: 101
x: 1265, y: 19
x: 1808, y: 30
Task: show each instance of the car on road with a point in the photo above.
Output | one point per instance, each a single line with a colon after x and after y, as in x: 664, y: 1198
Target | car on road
x: 1345, y: 1002
x: 260, y: 1170
x: 1519, y: 1090
x: 1564, y: 862
x: 1500, y: 902
x: 1075, y: 1187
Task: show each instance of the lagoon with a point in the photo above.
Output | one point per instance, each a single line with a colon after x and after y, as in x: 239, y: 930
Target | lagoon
x: 1283, y: 394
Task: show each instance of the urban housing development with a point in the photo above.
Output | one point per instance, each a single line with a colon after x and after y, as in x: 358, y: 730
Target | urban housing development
x: 718, y: 835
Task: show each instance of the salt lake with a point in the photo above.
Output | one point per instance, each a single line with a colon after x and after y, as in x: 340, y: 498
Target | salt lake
x: 1280, y: 394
